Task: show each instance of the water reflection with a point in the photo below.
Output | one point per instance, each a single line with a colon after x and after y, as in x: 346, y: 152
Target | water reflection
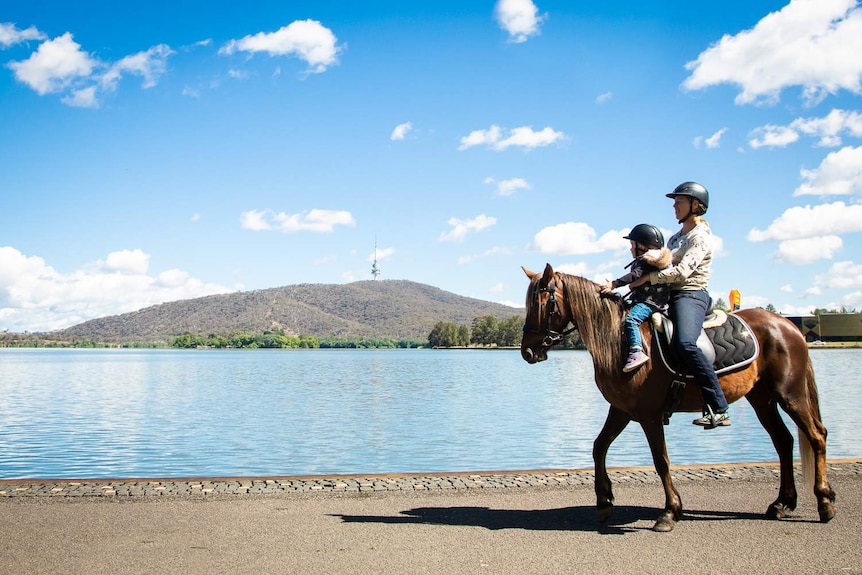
x: 121, y: 413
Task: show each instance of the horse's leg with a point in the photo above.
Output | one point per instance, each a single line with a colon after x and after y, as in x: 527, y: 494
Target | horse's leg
x: 654, y: 431
x: 615, y: 423
x: 805, y: 413
x: 767, y: 413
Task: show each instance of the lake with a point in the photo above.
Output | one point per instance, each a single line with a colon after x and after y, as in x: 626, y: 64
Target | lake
x: 164, y: 413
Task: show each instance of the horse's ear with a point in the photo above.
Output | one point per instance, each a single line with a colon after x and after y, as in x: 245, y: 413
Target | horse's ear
x: 548, y: 275
x: 528, y: 272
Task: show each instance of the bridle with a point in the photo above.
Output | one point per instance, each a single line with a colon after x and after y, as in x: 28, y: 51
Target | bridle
x: 551, y: 336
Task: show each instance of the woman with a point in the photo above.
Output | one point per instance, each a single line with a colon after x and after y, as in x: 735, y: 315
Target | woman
x: 688, y: 277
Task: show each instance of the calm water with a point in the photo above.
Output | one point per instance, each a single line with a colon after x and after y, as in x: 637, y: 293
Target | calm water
x: 132, y: 413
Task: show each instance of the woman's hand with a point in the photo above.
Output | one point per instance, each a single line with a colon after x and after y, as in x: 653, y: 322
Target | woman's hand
x: 606, y: 288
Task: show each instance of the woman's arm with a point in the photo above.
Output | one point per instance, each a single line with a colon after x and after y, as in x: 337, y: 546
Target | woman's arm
x: 695, y: 252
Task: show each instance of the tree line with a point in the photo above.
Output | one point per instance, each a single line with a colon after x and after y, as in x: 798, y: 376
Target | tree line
x: 488, y: 331
x: 484, y: 331
x: 279, y: 340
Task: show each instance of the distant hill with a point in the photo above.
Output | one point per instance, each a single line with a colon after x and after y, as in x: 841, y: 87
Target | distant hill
x: 397, y: 309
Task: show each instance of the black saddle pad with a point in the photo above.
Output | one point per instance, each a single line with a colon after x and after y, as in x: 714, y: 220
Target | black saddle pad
x: 726, y: 338
x: 734, y: 343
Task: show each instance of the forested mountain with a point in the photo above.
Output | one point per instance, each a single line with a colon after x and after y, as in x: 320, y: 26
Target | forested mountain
x: 396, y: 309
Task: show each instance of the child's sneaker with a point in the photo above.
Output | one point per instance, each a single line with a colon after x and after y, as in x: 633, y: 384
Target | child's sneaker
x: 635, y: 360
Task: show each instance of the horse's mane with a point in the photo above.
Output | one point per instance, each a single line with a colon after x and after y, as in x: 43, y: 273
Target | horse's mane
x: 599, y: 321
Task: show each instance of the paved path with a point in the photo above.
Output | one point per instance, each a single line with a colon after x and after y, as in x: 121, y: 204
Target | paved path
x: 518, y: 522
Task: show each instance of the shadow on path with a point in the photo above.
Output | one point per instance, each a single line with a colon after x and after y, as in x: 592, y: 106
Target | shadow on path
x: 583, y: 518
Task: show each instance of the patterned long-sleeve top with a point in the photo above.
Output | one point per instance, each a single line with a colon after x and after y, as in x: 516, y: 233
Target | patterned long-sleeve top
x: 691, y: 260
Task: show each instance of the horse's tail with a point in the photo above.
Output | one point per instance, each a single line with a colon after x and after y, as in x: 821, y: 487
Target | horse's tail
x: 806, y: 453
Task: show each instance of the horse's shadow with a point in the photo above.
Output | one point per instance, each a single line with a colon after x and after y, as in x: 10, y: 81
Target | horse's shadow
x: 581, y: 518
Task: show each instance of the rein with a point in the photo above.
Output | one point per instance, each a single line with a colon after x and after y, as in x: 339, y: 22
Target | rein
x: 551, y: 336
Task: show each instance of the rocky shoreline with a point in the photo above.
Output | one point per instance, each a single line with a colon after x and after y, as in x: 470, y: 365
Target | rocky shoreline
x: 124, y: 489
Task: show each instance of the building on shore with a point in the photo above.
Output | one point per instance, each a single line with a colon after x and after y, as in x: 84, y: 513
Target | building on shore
x: 829, y: 327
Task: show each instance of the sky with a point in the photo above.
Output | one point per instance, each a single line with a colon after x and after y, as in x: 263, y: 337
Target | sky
x: 167, y: 151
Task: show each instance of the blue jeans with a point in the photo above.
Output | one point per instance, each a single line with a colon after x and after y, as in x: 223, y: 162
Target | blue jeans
x: 636, y: 316
x: 687, y: 310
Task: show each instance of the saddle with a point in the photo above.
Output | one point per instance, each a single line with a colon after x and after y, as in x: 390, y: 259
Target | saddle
x: 726, y: 341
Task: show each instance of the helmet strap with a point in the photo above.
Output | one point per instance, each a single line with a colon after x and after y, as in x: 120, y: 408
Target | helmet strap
x: 691, y: 211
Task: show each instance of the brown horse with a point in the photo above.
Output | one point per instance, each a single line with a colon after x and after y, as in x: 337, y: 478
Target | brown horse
x: 780, y: 376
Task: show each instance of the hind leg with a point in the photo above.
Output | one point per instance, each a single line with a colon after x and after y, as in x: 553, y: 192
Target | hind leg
x: 767, y: 413
x: 812, y: 447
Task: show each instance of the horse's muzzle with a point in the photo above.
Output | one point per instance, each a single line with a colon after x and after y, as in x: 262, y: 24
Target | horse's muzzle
x: 531, y: 356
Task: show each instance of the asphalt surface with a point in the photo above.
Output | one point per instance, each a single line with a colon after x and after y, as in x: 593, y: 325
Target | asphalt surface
x: 516, y: 522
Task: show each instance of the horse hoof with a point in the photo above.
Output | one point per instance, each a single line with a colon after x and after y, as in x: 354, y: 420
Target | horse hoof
x: 664, y: 524
x: 605, y: 512
x: 827, y: 512
x: 776, y: 511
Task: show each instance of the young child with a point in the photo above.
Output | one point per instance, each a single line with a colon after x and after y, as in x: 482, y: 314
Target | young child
x: 647, y: 245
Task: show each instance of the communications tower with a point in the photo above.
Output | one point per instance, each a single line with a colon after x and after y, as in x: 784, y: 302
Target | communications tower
x: 375, y: 268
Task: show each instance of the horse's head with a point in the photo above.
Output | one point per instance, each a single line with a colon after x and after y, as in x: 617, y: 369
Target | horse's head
x: 547, y: 315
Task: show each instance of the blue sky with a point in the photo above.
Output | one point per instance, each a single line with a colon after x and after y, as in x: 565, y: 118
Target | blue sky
x: 165, y: 150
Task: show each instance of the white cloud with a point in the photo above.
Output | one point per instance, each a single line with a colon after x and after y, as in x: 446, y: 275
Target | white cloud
x: 55, y: 65
x: 842, y: 275
x: 795, y: 310
x: 524, y: 137
x: 809, y: 222
x: 809, y: 43
x: 808, y: 250
x: 308, y: 40
x: 577, y: 238
x: 127, y: 261
x: 828, y: 129
x: 150, y: 65
x: 35, y: 297
x: 717, y: 245
x: 602, y: 98
x: 60, y: 65
x: 401, y: 130
x: 786, y: 288
x: 255, y: 220
x: 511, y: 186
x: 10, y: 34
x: 312, y: 221
x: 519, y: 18
x: 850, y: 300
x: 381, y: 254
x: 773, y: 137
x: 839, y: 174
x: 712, y: 141
x: 478, y: 137
x: 83, y: 98
x: 460, y: 228
x: 813, y: 291
x: 749, y: 301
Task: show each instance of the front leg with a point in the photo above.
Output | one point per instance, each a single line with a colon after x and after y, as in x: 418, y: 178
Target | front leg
x: 654, y: 431
x: 615, y: 423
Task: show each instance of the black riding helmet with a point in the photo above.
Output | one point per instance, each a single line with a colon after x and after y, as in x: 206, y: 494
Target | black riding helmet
x: 647, y: 235
x: 692, y: 190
